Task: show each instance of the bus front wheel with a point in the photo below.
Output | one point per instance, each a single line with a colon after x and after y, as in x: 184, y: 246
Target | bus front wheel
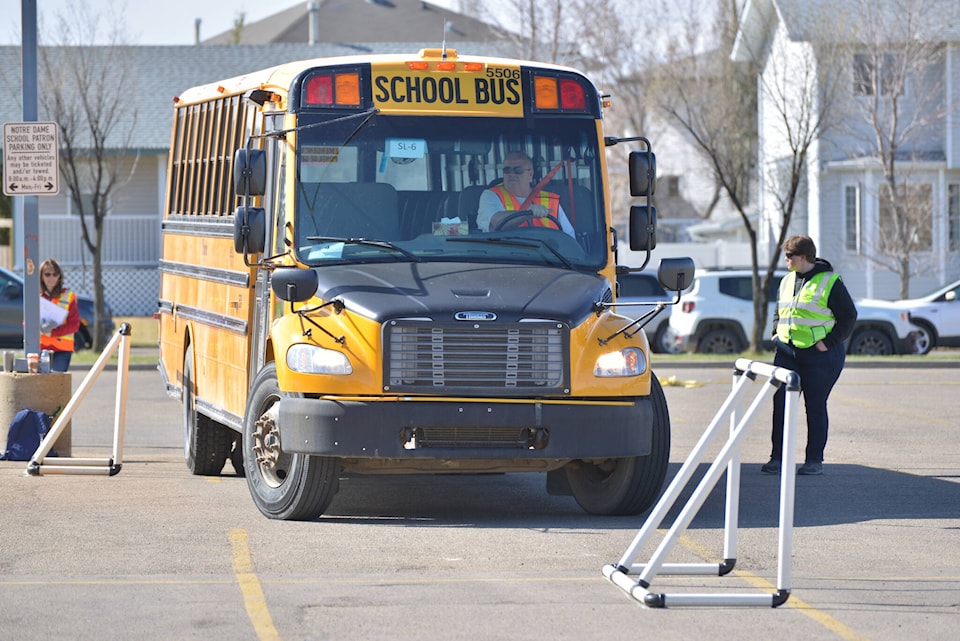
x: 626, y: 486
x: 290, y: 487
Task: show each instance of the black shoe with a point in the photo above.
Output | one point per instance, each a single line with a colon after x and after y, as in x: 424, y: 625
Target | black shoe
x: 810, y: 469
x: 771, y: 467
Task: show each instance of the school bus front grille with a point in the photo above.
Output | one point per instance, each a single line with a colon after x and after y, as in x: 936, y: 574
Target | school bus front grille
x: 512, y: 359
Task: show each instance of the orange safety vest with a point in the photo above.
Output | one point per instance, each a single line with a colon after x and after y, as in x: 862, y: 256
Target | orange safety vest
x: 60, y: 343
x: 549, y: 200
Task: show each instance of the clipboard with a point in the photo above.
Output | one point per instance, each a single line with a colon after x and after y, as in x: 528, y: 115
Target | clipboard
x: 52, y: 312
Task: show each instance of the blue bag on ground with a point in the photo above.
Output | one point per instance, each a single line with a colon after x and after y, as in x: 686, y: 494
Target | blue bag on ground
x: 26, y: 431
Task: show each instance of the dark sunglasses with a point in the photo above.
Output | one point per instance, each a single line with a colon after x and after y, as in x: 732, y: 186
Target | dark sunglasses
x: 514, y: 169
x: 790, y: 254
x: 50, y: 274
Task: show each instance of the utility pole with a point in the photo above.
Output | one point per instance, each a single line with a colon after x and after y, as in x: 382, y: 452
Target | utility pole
x: 27, y: 208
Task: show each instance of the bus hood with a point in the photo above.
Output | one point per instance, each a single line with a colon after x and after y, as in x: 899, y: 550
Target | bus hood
x: 445, y: 292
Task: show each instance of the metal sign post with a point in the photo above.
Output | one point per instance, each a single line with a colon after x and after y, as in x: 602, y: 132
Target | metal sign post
x: 622, y: 573
x: 26, y: 206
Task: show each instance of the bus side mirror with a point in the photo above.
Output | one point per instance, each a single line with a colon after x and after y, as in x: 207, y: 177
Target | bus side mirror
x: 249, y: 230
x: 643, y: 173
x: 643, y: 227
x: 293, y: 284
x: 676, y: 274
x: 249, y: 172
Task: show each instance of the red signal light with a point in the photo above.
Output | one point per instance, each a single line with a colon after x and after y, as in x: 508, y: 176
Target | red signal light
x: 335, y: 89
x: 572, y: 96
x: 319, y: 90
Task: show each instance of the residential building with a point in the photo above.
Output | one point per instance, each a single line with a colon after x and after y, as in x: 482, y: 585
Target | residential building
x: 841, y: 199
x: 357, y: 22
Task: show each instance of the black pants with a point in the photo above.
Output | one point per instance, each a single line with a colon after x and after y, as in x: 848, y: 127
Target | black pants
x: 818, y: 372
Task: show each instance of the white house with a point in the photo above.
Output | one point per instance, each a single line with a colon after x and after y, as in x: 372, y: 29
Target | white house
x: 839, y: 202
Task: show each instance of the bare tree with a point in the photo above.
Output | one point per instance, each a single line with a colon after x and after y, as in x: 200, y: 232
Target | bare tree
x: 538, y: 29
x: 898, y: 102
x: 236, y: 30
x: 86, y: 89
x: 799, y: 81
x: 713, y: 99
x: 614, y: 47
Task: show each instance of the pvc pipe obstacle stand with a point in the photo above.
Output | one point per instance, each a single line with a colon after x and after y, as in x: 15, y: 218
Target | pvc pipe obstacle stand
x: 40, y: 463
x: 622, y: 573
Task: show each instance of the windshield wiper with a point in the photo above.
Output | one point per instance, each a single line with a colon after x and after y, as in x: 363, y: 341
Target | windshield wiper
x: 368, y: 242
x: 511, y: 241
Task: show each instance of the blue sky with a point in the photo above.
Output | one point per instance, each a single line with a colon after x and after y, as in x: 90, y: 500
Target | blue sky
x: 165, y: 22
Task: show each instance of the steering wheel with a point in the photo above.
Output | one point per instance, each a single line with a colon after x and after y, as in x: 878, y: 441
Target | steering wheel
x: 524, y: 213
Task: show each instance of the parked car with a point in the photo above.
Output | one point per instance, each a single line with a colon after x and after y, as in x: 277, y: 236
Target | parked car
x: 11, y: 314
x: 936, y: 316
x: 645, y: 287
x: 716, y: 316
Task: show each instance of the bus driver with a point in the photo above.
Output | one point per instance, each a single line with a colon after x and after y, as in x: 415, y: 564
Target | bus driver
x: 498, y: 203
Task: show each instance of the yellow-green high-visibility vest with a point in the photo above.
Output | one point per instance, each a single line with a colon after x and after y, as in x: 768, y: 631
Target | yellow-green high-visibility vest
x: 804, y: 318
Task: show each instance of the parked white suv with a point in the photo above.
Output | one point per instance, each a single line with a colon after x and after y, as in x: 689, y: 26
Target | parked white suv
x: 716, y: 316
x: 936, y: 316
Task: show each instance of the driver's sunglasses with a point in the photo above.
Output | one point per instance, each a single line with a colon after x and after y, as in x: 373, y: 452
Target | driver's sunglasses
x: 514, y: 169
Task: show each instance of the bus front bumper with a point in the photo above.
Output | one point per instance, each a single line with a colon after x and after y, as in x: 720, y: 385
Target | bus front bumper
x: 465, y: 430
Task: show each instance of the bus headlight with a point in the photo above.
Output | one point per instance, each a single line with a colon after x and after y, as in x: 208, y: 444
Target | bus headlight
x: 629, y: 361
x: 310, y: 359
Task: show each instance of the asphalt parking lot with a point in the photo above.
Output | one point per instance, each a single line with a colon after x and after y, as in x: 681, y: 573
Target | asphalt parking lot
x: 154, y: 553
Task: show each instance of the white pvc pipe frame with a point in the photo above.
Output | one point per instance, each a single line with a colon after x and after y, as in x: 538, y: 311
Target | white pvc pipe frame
x: 40, y: 463
x: 729, y: 456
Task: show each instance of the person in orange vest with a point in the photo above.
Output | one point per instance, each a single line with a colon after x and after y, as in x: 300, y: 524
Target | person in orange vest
x: 58, y: 338
x: 500, y: 203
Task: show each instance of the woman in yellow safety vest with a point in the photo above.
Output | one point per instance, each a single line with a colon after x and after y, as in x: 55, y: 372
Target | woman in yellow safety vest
x: 57, y: 330
x: 814, y: 316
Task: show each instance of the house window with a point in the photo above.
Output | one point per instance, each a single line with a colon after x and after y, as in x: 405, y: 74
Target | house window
x: 87, y: 200
x: 913, y: 226
x: 876, y: 72
x: 853, y: 218
x: 953, y: 217
x: 673, y: 186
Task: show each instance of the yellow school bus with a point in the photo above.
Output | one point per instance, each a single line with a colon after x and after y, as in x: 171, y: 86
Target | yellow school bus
x: 337, y: 298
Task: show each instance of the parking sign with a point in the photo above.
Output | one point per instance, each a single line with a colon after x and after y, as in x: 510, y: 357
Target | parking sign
x: 31, y: 159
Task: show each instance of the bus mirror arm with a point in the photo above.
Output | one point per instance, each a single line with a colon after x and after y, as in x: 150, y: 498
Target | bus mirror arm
x: 675, y: 274
x: 639, y: 323
x: 304, y: 314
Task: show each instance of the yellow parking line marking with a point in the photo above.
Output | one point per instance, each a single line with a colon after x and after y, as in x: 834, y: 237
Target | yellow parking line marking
x: 840, y: 629
x: 253, y: 599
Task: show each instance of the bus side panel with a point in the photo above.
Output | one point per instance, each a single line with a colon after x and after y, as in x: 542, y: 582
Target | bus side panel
x: 214, y: 298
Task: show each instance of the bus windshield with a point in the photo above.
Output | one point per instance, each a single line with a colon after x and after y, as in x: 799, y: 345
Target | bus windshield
x: 415, y: 185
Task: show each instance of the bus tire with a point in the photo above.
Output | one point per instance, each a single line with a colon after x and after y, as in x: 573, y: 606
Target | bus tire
x: 206, y: 444
x: 290, y: 487
x: 626, y: 486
